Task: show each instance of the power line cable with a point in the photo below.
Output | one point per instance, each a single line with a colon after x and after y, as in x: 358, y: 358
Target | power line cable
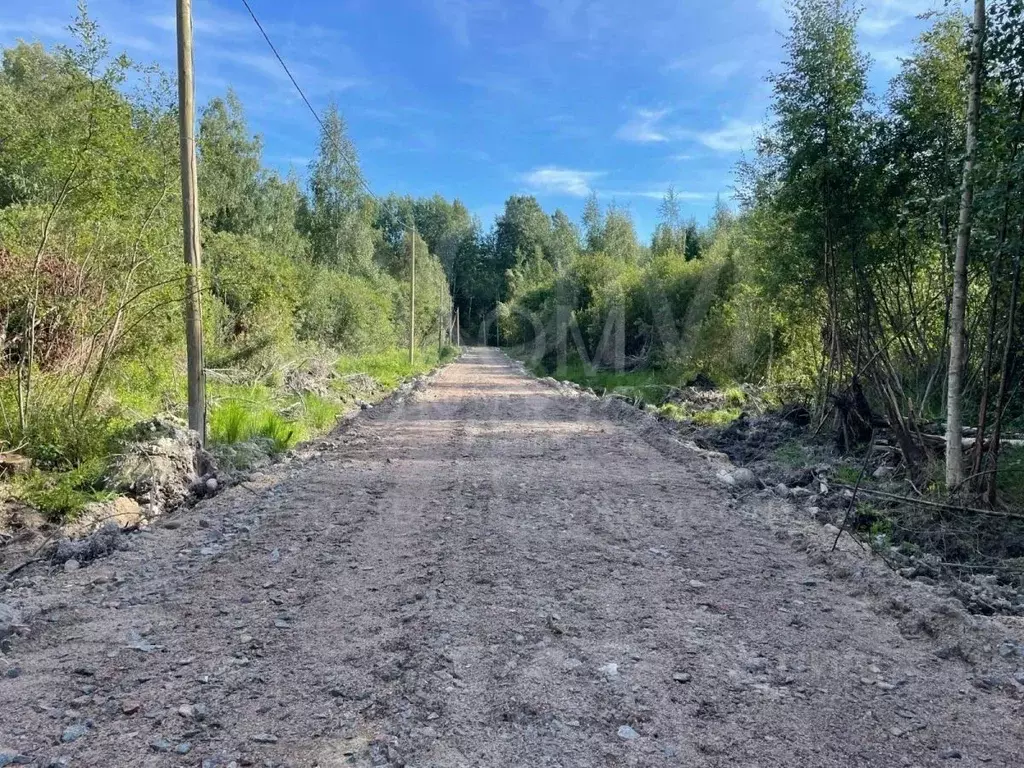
x: 351, y: 163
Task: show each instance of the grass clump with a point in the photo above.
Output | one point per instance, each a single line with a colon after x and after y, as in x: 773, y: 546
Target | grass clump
x: 62, y: 496
x: 238, y: 419
x: 791, y: 454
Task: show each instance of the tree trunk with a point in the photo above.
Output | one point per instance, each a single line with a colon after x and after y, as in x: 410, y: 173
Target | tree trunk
x: 958, y: 307
x: 1011, y: 318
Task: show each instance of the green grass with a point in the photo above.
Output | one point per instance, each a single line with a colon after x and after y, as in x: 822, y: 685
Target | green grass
x: 63, y: 495
x: 241, y: 413
x: 707, y: 418
x: 849, y: 475
x: 791, y: 454
x: 642, y: 387
x: 735, y: 397
x: 391, y: 367
x: 650, y: 387
x: 70, y: 456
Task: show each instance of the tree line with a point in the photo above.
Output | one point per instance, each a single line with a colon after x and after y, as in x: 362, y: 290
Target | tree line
x: 873, y: 268
x: 843, y: 279
x: 90, y: 249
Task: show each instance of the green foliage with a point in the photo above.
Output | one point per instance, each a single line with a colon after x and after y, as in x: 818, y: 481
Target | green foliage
x: 348, y: 312
x: 62, y: 495
x: 281, y: 433
x: 230, y: 422
x: 257, y: 289
x: 847, y: 474
x: 790, y: 454
x: 339, y: 221
x: 391, y: 367
x: 90, y: 316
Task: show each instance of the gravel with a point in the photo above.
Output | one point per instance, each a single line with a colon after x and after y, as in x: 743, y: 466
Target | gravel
x: 454, y: 571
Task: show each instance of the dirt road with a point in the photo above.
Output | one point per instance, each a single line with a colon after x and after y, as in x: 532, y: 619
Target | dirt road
x: 491, y: 573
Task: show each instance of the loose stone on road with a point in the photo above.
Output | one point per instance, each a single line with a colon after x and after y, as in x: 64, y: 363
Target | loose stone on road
x: 493, y: 572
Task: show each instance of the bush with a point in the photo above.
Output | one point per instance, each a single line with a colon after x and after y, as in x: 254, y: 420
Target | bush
x: 347, y: 312
x: 257, y: 289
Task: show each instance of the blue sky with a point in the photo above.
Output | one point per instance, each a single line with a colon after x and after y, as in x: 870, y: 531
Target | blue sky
x: 479, y: 99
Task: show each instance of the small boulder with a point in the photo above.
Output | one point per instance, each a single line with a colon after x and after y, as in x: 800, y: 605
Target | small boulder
x: 627, y: 734
x: 74, y: 732
x: 10, y: 620
x: 744, y: 478
x: 10, y: 757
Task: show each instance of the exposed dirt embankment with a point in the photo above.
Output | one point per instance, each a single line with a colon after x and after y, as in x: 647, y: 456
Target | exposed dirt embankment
x: 497, y: 571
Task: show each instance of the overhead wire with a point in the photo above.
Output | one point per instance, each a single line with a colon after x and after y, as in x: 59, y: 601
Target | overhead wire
x: 344, y: 155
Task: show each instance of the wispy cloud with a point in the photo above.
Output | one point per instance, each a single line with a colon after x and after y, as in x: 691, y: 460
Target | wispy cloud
x: 722, y: 70
x: 35, y: 28
x: 879, y: 17
x: 656, y: 193
x: 218, y: 24
x: 459, y: 16
x: 313, y: 79
x: 496, y: 83
x: 645, y: 127
x: 650, y: 126
x: 888, y: 58
x: 734, y: 136
x: 553, y: 180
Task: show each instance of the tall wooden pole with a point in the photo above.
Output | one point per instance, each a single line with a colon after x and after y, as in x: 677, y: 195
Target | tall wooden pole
x: 190, y: 222
x: 412, y: 300
x: 458, y: 331
x: 440, y: 315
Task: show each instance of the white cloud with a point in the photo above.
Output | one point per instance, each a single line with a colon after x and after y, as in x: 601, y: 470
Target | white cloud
x: 888, y: 58
x: 656, y: 193
x: 553, y: 180
x: 880, y: 17
x: 36, y: 28
x: 645, y: 127
x: 723, y: 70
x: 734, y: 136
x: 461, y: 15
x: 496, y: 83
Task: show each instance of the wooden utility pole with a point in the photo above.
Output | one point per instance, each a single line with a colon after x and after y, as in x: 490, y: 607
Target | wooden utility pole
x: 190, y: 224
x: 412, y: 300
x: 958, y: 305
x: 458, y: 331
x: 440, y: 315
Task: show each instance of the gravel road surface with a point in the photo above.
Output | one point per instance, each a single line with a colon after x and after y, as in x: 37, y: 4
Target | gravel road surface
x: 492, y: 572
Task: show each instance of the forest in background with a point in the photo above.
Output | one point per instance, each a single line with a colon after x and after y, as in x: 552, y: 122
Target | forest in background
x: 831, y: 284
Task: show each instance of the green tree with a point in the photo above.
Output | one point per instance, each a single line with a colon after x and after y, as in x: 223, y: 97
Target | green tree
x: 229, y: 167
x: 340, y: 215
x: 593, y: 223
x: 564, y: 242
